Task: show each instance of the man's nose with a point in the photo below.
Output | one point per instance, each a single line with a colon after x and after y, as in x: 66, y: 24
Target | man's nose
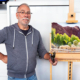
x: 25, y: 14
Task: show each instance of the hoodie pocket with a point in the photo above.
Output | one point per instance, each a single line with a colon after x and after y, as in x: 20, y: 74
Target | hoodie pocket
x: 12, y: 62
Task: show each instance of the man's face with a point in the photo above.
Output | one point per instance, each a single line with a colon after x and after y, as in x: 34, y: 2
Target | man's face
x: 23, y: 15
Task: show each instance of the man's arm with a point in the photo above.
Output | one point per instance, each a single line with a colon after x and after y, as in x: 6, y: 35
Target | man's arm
x: 3, y: 58
x: 47, y: 56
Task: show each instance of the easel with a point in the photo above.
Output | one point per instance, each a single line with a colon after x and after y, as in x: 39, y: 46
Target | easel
x: 69, y: 57
x: 71, y: 14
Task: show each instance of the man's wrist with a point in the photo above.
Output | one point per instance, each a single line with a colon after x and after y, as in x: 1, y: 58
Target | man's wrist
x: 47, y: 56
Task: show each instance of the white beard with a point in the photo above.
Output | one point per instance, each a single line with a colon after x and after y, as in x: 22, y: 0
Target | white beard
x: 25, y: 25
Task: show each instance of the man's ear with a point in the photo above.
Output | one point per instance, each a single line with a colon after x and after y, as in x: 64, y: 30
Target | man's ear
x: 17, y: 15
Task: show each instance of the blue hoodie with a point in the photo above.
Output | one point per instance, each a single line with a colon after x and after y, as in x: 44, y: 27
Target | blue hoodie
x: 22, y: 50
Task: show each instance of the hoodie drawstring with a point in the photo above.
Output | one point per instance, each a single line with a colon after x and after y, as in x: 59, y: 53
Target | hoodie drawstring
x: 14, y: 38
x: 32, y: 36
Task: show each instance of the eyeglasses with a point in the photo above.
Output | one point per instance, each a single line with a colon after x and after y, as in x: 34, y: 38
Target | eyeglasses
x: 25, y: 13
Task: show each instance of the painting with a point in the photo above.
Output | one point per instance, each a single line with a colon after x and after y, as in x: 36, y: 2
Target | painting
x: 65, y: 37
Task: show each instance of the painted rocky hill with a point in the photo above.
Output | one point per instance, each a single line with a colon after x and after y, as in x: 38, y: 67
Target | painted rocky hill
x: 67, y: 29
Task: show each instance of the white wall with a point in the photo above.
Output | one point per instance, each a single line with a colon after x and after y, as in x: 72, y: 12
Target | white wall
x: 59, y: 72
x: 3, y: 22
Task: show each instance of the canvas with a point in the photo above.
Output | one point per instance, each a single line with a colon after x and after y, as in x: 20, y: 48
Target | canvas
x: 65, y: 37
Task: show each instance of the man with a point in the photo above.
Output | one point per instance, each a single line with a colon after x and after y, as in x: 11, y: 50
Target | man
x: 22, y: 43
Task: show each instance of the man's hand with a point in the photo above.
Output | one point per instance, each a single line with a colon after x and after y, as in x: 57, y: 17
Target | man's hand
x: 55, y: 63
x: 47, y: 56
x: 3, y: 57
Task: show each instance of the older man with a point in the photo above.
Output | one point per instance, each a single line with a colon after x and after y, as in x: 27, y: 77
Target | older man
x: 22, y: 43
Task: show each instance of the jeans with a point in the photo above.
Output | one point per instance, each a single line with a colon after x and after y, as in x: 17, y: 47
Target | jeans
x: 33, y: 77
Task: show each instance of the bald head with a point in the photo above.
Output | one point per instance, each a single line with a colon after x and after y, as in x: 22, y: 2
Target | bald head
x: 22, y: 5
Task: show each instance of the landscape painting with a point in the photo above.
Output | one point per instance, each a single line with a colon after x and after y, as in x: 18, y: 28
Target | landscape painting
x: 65, y: 36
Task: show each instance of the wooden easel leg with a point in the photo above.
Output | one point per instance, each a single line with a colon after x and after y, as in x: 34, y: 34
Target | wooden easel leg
x: 70, y: 70
x: 50, y: 63
x: 50, y: 71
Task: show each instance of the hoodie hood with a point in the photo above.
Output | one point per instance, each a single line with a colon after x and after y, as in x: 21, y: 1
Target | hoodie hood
x: 16, y: 27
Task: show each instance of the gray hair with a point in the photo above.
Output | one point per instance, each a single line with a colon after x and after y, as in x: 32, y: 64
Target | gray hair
x: 21, y: 5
